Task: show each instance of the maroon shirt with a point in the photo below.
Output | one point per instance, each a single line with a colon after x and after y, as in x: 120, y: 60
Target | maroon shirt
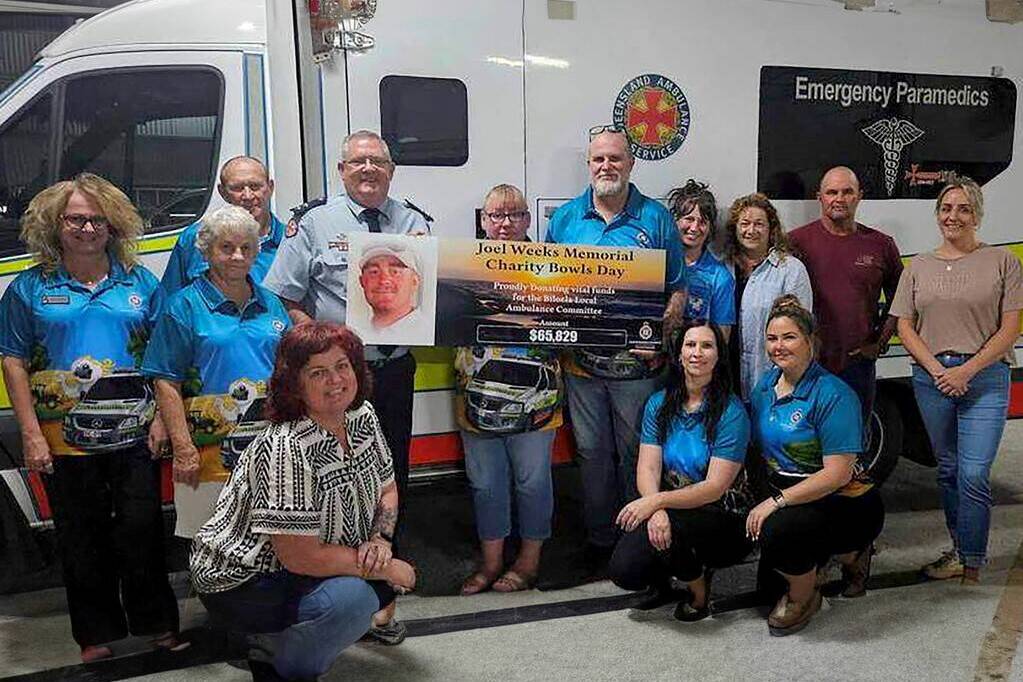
x: 847, y: 275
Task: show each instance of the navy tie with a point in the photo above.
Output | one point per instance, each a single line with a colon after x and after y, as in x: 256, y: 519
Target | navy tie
x: 372, y: 218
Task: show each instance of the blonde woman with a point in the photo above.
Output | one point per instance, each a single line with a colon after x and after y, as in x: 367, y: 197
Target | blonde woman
x: 73, y: 331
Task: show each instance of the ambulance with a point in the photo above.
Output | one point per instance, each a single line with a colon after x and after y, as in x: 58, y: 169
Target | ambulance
x: 742, y: 94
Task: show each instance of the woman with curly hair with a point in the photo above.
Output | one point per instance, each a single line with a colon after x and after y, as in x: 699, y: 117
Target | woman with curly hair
x: 298, y: 550
x: 710, y: 294
x: 74, y: 329
x: 756, y: 249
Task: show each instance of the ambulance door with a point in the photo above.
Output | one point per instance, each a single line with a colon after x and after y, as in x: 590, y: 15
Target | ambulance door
x: 443, y: 84
x: 153, y: 123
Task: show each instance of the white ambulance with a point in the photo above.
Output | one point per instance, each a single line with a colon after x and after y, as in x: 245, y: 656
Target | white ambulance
x: 743, y: 94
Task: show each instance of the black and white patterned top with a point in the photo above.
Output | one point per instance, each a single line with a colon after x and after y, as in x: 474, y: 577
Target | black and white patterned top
x: 294, y: 479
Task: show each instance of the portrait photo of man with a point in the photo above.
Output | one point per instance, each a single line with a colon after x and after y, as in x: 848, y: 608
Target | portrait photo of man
x: 394, y: 300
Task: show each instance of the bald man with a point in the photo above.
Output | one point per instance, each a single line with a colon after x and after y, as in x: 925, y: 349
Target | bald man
x: 245, y: 182
x: 850, y: 265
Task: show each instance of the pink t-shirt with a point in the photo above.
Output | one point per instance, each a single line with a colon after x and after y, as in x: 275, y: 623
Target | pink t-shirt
x: 957, y: 305
x: 848, y: 274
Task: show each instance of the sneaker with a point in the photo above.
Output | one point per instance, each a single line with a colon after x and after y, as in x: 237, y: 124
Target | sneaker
x: 946, y: 566
x: 391, y: 634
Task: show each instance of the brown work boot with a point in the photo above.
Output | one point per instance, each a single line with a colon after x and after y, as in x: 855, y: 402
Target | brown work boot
x: 789, y: 617
x: 856, y: 574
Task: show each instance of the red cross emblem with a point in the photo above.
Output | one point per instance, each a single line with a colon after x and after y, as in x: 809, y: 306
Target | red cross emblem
x: 652, y: 118
x: 655, y: 113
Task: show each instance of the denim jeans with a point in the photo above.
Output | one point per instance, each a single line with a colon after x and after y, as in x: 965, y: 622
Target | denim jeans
x: 861, y: 376
x: 607, y: 416
x: 965, y: 433
x: 300, y: 623
x: 494, y: 465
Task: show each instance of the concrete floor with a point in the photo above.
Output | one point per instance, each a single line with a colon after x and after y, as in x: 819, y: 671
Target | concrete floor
x: 910, y: 631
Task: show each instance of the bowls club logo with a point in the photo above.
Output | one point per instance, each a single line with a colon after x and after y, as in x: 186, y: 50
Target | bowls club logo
x: 654, y: 113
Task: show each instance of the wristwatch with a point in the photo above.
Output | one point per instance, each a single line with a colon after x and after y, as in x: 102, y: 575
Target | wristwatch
x: 386, y: 536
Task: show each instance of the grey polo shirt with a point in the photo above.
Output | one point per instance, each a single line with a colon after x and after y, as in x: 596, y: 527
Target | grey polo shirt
x: 311, y: 266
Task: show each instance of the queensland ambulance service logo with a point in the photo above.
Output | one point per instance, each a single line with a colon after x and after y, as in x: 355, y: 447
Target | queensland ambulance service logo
x: 654, y: 112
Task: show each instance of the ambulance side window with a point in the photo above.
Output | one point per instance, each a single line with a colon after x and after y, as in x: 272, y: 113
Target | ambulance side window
x: 24, y: 167
x: 152, y: 132
x: 425, y: 121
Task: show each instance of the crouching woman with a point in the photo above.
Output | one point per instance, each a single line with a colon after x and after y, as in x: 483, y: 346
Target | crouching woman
x: 688, y: 519
x: 299, y: 546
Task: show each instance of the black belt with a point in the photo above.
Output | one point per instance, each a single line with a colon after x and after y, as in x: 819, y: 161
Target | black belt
x: 951, y: 354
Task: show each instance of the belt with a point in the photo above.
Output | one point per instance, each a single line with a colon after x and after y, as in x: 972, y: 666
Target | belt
x: 951, y: 354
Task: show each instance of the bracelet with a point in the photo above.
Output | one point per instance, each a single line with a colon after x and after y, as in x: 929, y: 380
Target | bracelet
x: 779, y: 500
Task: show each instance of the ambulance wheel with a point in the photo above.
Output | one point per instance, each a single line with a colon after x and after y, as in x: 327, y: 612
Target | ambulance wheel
x: 886, y: 434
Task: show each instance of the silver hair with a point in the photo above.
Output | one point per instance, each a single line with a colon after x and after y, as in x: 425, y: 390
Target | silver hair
x: 223, y: 221
x: 363, y: 135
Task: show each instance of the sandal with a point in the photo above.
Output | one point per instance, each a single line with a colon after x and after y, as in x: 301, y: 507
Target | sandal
x: 95, y: 652
x: 169, y: 641
x: 513, y: 581
x: 478, y: 582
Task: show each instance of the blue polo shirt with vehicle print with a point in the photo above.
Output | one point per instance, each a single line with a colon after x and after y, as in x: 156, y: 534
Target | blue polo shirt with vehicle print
x: 222, y: 356
x: 821, y: 417
x: 83, y: 348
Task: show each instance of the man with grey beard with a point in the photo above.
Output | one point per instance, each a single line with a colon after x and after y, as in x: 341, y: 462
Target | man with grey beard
x: 607, y: 390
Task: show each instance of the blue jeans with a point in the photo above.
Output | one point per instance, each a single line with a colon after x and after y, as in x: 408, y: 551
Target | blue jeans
x: 965, y: 433
x: 861, y: 376
x: 305, y: 622
x: 607, y: 416
x: 494, y: 465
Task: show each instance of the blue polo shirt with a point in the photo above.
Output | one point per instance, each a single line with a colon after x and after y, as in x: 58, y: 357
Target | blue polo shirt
x: 222, y: 356
x: 685, y: 451
x: 821, y: 417
x: 644, y: 223
x: 72, y: 335
x: 186, y: 262
x: 711, y: 291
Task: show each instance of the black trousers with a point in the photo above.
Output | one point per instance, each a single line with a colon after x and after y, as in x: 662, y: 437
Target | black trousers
x: 707, y: 536
x: 393, y: 387
x: 106, y: 509
x: 796, y: 539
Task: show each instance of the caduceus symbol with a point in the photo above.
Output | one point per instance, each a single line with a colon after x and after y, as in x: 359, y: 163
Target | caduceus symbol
x: 893, y: 135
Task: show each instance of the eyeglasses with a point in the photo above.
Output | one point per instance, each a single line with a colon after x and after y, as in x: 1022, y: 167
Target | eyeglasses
x: 611, y: 128
x: 79, y: 221
x: 373, y: 161
x: 498, y: 217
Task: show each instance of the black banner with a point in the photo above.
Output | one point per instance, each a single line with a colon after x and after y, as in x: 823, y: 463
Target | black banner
x: 904, y: 134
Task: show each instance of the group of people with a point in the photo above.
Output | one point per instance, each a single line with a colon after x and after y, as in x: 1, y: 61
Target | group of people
x: 748, y: 430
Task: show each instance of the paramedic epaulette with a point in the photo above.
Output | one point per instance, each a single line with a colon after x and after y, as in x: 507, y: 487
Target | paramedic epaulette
x: 298, y: 211
x: 426, y: 216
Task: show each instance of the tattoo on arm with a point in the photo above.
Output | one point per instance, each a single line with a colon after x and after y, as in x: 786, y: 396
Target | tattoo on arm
x: 384, y: 520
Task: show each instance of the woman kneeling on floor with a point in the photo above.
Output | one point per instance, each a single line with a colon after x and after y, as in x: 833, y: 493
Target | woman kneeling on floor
x: 299, y: 545
x: 808, y: 425
x: 688, y: 519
